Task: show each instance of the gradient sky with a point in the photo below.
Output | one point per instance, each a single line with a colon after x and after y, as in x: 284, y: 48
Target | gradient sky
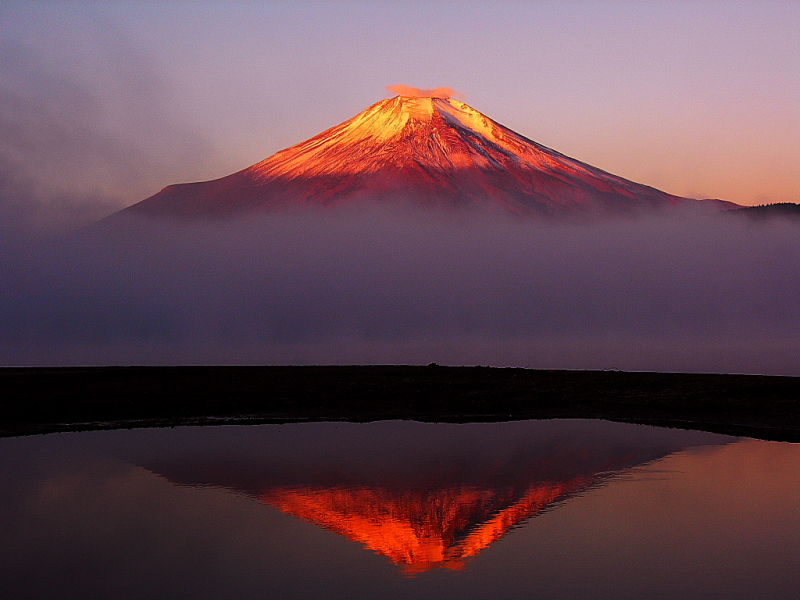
x: 700, y: 99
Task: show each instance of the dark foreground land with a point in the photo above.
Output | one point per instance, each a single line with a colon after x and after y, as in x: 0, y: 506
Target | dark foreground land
x: 43, y: 400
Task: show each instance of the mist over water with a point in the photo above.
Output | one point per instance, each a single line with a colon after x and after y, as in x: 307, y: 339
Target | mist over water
x: 677, y: 292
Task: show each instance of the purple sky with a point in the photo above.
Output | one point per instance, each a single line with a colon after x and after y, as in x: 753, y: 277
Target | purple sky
x: 696, y: 98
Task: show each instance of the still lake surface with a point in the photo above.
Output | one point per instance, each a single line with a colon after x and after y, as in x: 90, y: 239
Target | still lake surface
x: 521, y: 510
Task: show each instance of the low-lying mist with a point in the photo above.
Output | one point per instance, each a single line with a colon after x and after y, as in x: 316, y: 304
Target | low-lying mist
x: 76, y: 146
x: 679, y: 292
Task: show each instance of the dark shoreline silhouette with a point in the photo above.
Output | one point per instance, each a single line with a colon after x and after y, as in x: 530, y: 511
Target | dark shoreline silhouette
x: 45, y: 400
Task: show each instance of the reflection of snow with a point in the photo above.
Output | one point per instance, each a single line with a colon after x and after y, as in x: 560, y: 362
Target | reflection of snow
x: 420, y: 529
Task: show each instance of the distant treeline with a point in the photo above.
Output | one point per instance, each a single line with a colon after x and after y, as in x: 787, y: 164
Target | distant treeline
x: 777, y: 209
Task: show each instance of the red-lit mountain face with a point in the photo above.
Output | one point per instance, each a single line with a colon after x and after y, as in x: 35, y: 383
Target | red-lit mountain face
x: 429, y: 150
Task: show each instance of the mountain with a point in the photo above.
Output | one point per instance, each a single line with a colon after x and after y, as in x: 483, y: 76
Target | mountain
x: 420, y: 147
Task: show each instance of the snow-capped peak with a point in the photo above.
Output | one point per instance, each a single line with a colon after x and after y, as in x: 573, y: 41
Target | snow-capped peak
x: 423, y: 145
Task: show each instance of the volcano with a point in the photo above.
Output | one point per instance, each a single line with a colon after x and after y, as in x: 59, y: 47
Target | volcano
x: 423, y: 148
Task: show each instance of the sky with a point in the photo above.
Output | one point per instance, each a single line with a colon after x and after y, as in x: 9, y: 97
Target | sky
x: 102, y: 104
x: 119, y: 99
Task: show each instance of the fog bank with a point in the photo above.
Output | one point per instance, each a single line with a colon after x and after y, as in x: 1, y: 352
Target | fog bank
x: 77, y: 144
x: 685, y: 292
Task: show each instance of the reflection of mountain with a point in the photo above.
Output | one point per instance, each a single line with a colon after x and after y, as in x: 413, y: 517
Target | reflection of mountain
x: 426, y: 509
x: 420, y: 529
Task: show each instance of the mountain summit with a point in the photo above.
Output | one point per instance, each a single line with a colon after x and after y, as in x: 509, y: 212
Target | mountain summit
x: 423, y: 146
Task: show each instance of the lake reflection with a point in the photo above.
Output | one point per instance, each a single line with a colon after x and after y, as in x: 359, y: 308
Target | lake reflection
x: 542, y: 509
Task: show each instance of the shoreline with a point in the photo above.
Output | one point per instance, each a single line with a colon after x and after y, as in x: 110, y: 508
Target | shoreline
x: 40, y: 400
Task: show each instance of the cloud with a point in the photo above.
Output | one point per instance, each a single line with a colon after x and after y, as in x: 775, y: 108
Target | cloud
x: 440, y: 92
x: 74, y: 148
x: 685, y: 293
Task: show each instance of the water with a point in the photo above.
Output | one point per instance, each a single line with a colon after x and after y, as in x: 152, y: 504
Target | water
x: 532, y: 509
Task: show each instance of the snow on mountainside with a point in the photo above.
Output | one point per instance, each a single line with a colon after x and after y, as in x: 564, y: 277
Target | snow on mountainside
x: 430, y: 149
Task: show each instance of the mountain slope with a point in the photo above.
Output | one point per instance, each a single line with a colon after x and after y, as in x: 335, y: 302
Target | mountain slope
x: 432, y: 150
